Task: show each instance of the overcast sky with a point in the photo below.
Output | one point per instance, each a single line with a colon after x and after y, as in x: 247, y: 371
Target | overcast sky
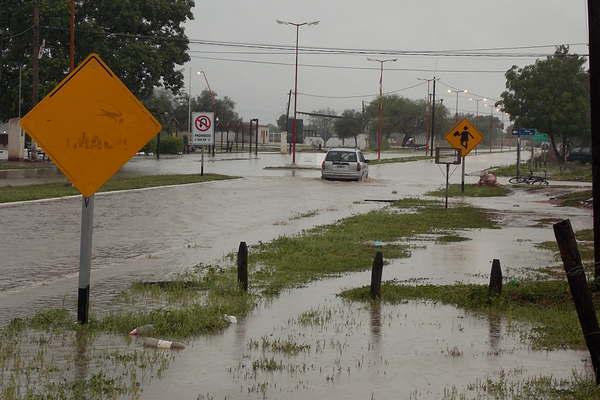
x: 260, y: 90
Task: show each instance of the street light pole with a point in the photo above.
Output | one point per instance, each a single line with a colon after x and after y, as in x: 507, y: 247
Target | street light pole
x: 380, y: 111
x: 294, y: 126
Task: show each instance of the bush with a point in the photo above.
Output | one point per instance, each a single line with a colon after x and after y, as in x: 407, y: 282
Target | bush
x: 168, y: 145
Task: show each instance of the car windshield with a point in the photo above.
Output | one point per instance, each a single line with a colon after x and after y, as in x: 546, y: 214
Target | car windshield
x: 344, y: 156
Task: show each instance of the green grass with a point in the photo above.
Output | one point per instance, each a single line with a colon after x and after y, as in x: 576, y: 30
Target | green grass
x: 398, y: 160
x: 506, y: 387
x: 471, y: 191
x: 347, y: 246
x: 570, y: 171
x: 547, y: 305
x: 50, y: 190
x: 9, y: 165
x: 585, y: 244
x: 574, y: 199
x: 451, y: 238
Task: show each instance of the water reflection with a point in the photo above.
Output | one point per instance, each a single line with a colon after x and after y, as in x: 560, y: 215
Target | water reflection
x: 494, y: 332
x: 82, y: 360
x: 375, y: 320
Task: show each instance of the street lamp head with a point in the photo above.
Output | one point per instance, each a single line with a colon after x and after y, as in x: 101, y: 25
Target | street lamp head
x: 465, y: 91
x: 198, y: 72
x: 313, y: 23
x: 449, y: 91
x: 282, y: 22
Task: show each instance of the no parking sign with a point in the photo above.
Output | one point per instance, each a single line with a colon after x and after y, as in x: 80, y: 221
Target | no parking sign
x: 203, y: 128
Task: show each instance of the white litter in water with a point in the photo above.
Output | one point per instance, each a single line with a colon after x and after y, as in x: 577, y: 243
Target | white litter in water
x: 232, y: 319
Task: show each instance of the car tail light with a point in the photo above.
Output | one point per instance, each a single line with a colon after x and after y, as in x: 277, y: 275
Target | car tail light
x: 358, y: 166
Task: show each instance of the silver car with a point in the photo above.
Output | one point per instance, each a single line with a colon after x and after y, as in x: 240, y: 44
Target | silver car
x: 345, y: 163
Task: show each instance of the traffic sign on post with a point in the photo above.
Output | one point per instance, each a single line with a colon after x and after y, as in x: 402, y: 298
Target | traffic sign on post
x: 464, y: 136
x: 90, y: 125
x: 202, y: 128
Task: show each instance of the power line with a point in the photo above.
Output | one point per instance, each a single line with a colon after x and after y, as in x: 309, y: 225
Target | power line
x: 361, y: 96
x: 478, y: 52
x: 350, y: 67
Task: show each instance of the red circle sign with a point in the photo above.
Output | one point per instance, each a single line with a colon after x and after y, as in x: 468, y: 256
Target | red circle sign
x: 202, y: 123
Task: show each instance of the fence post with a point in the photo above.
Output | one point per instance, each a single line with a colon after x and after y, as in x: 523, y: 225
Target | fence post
x: 242, y: 266
x: 582, y: 297
x: 376, y: 273
x: 496, y: 278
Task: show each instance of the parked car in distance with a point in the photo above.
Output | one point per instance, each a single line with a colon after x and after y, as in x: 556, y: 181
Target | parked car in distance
x: 583, y: 154
x: 345, y: 163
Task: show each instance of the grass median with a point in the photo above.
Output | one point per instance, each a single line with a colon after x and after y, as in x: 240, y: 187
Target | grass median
x: 398, y: 160
x: 471, y: 190
x: 9, y: 194
x: 569, y: 171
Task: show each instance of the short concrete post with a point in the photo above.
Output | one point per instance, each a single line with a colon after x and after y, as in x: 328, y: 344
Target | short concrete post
x: 376, y: 273
x: 242, y: 266
x: 496, y: 278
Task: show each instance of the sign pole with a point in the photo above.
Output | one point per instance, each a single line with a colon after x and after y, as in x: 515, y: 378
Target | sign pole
x: 462, y: 180
x: 202, y: 161
x: 447, y: 181
x: 85, y: 258
x: 518, y: 154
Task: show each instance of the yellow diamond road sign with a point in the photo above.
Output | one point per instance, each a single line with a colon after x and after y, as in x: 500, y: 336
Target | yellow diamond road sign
x: 90, y: 125
x: 464, y: 136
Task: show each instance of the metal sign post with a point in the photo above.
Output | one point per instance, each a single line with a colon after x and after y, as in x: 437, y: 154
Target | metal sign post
x: 202, y: 161
x: 447, y: 155
x: 90, y: 124
x: 85, y: 258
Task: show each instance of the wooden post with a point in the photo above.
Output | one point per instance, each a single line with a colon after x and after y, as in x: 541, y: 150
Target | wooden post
x: 582, y: 297
x: 242, y: 266
x: 496, y: 278
x: 376, y: 273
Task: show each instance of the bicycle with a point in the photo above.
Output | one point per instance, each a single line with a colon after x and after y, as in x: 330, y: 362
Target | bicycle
x: 530, y: 179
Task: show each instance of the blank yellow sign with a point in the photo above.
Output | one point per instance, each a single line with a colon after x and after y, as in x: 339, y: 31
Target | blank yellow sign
x: 90, y: 125
x: 464, y: 136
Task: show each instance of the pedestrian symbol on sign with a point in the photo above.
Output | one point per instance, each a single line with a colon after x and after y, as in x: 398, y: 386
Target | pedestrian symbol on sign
x: 464, y: 137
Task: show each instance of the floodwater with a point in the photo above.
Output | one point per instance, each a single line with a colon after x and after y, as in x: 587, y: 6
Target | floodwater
x: 413, y: 350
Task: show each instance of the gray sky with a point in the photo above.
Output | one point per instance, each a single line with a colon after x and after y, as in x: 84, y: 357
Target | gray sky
x: 261, y: 90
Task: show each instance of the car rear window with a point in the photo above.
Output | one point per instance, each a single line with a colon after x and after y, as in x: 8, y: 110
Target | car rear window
x: 343, y: 156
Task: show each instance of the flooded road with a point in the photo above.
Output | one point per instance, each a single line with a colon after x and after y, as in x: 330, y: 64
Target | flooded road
x: 148, y: 233
x: 415, y: 350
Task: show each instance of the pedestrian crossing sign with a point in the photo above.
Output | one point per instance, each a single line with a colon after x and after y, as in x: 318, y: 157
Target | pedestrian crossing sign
x: 464, y: 136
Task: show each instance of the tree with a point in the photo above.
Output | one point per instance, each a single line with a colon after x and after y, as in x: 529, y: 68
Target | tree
x: 142, y: 41
x: 350, y: 125
x: 400, y: 115
x: 282, y: 122
x: 322, y: 126
x: 551, y: 96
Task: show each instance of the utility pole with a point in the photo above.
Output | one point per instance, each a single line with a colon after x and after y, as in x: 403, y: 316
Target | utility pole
x: 380, y: 109
x: 594, y: 59
x: 491, y: 125
x: 35, y: 67
x: 427, y: 113
x: 432, y: 117
x: 294, y: 125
